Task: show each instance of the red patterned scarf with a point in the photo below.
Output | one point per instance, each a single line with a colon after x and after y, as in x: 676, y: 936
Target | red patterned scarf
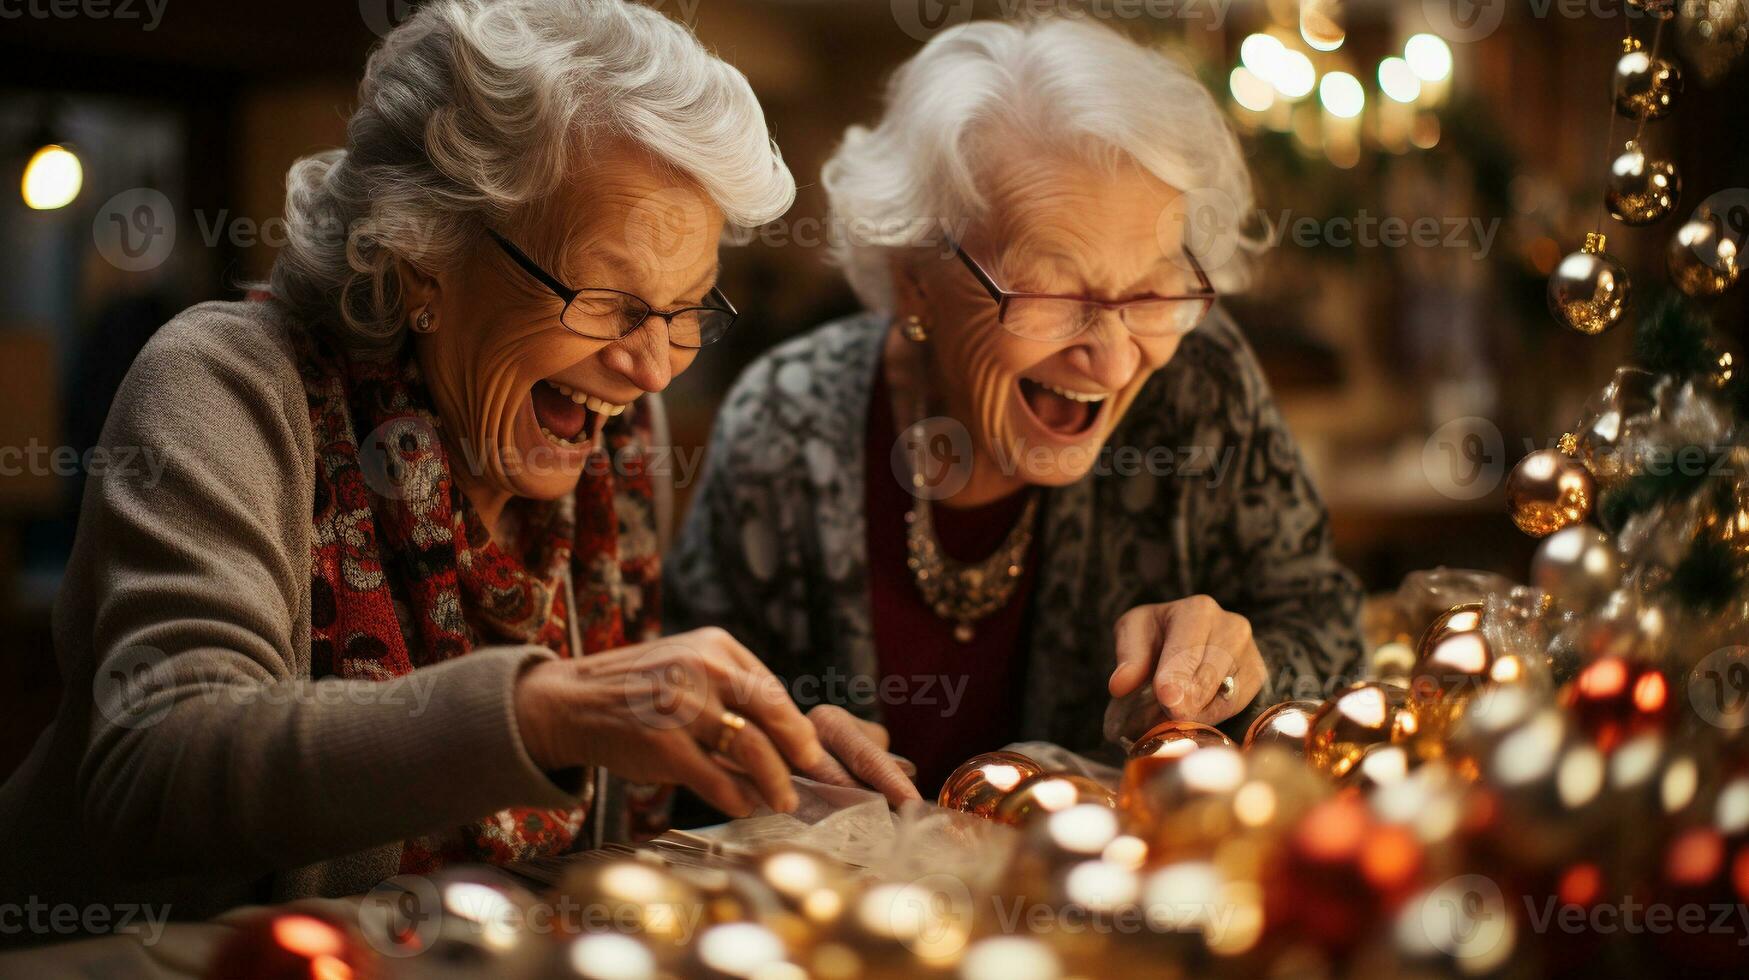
x: 404, y: 574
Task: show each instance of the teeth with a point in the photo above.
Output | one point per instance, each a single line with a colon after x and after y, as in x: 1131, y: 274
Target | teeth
x: 1074, y: 396
x: 561, y: 440
x: 600, y: 406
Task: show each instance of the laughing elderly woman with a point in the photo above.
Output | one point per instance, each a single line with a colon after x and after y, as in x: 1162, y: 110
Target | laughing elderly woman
x: 344, y: 637
x: 1102, y: 494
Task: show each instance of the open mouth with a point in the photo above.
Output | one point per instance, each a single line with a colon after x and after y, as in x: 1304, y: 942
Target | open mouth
x: 1061, y: 411
x: 567, y: 416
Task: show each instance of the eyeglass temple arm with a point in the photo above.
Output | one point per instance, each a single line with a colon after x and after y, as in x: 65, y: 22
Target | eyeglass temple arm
x: 528, y: 265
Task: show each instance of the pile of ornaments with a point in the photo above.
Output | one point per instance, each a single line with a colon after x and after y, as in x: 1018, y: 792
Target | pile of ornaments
x: 1465, y: 817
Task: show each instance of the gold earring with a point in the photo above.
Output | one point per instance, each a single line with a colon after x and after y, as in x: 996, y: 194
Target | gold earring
x: 423, y: 322
x: 914, y: 329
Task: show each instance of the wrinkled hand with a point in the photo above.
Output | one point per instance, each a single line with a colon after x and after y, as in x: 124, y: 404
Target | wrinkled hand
x: 1186, y: 648
x: 857, y: 756
x: 653, y: 713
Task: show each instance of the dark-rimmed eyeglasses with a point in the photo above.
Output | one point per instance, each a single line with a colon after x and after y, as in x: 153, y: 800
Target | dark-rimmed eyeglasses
x: 1056, y: 317
x: 612, y: 314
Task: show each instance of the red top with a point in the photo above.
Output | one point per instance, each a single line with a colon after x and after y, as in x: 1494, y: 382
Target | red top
x: 943, y: 701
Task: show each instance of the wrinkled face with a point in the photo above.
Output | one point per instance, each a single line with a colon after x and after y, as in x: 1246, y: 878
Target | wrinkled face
x: 1040, y: 411
x: 521, y: 397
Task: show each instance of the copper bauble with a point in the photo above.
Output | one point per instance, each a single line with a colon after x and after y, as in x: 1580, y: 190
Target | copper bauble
x: 981, y: 781
x: 1589, y: 291
x: 1380, y: 765
x: 1162, y: 746
x: 1363, y: 715
x: 1160, y: 799
x: 1615, y: 697
x: 1465, y: 617
x: 1703, y: 258
x: 1577, y: 567
x: 1547, y: 491
x: 1282, y: 725
x: 1049, y: 792
x: 1645, y: 87
x: 284, y: 945
x: 1641, y: 190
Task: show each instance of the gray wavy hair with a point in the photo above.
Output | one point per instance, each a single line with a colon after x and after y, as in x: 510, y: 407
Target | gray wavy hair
x: 1080, y: 85
x: 472, y: 111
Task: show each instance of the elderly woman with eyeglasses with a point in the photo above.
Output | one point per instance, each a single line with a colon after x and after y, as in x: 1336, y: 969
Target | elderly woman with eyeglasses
x: 395, y: 601
x: 1044, y: 470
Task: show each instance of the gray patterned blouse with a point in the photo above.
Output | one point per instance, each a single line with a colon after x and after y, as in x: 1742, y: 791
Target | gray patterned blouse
x: 1200, y: 490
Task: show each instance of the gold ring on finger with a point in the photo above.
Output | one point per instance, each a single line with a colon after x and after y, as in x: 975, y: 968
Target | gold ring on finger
x: 732, y: 725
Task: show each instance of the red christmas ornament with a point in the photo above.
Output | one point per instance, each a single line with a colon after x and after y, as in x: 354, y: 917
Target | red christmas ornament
x: 1617, y: 697
x: 1342, y: 876
x: 292, y: 946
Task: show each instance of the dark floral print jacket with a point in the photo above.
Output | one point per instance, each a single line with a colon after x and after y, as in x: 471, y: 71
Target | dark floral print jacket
x: 1200, y: 490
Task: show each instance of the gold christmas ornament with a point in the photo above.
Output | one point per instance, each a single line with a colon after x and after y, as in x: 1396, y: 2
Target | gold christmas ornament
x: 658, y: 903
x: 1645, y: 87
x: 1703, y: 259
x: 1641, y: 190
x: 1589, y: 290
x: 1577, y: 567
x: 983, y: 780
x: 1454, y: 668
x: 1548, y: 491
x: 1465, y: 617
x: 1615, y: 420
x: 1282, y: 725
x: 1049, y: 792
x: 1365, y: 714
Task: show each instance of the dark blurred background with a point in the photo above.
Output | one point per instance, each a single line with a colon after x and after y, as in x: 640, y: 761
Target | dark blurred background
x: 1413, y: 374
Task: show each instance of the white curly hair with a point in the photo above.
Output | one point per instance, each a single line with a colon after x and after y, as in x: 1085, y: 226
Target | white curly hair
x: 471, y: 112
x: 1071, y: 82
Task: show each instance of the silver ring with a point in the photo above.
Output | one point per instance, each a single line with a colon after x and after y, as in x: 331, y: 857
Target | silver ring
x: 1228, y: 685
